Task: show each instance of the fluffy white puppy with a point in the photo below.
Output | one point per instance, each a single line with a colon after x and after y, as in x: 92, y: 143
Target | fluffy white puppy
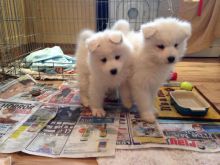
x: 103, y: 62
x: 161, y: 43
x: 157, y: 47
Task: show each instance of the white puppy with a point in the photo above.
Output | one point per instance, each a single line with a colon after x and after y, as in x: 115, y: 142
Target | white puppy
x: 158, y: 46
x: 103, y: 62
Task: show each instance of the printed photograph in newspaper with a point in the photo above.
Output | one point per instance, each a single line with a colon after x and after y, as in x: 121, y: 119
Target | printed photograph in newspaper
x: 143, y: 132
x: 136, y: 133
x: 65, y: 95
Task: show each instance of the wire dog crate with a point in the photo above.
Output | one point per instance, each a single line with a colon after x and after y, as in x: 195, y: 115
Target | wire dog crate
x: 30, y: 25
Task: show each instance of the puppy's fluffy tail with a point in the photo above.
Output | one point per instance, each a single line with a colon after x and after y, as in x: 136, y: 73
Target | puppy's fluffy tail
x: 121, y: 25
x: 85, y: 34
x: 81, y: 44
x: 81, y: 50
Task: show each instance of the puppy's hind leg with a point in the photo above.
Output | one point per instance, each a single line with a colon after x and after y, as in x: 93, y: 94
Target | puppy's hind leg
x: 84, y: 89
x: 125, y: 94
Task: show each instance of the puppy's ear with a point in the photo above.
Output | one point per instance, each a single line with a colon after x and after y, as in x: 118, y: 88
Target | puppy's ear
x: 187, y: 28
x: 92, y: 43
x: 116, y: 37
x: 148, y: 31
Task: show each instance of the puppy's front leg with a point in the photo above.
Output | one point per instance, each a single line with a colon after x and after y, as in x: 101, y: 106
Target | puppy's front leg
x: 96, y: 98
x: 143, y: 99
x: 125, y: 94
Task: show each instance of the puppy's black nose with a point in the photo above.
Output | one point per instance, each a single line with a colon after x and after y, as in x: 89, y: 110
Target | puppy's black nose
x: 171, y: 59
x: 113, y: 71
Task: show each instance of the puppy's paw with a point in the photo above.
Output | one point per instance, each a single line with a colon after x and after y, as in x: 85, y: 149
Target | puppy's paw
x: 98, y: 112
x: 127, y: 103
x: 148, y: 117
x: 85, y: 101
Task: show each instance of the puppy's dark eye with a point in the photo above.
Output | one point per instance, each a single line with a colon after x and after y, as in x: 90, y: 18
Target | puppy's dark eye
x: 176, y: 45
x: 104, y: 60
x: 117, y: 57
x: 161, y: 47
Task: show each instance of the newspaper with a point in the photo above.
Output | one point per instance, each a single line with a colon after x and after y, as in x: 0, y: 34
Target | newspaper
x: 196, y: 136
x: 29, y: 129
x: 13, y: 115
x: 135, y: 133
x: 6, y: 81
x: 65, y: 95
x: 179, y: 134
x: 94, y: 137
x: 51, y: 139
x: 73, y: 135
x: 44, y: 93
x: 20, y: 84
x: 91, y: 137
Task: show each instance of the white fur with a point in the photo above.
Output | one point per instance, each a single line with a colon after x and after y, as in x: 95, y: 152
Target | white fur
x: 151, y: 66
x: 82, y: 66
x: 122, y: 25
x: 95, y: 74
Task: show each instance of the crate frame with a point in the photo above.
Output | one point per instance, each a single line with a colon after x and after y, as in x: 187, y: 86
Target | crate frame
x: 25, y: 25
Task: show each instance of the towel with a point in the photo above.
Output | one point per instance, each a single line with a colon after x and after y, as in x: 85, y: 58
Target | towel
x: 48, y: 59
